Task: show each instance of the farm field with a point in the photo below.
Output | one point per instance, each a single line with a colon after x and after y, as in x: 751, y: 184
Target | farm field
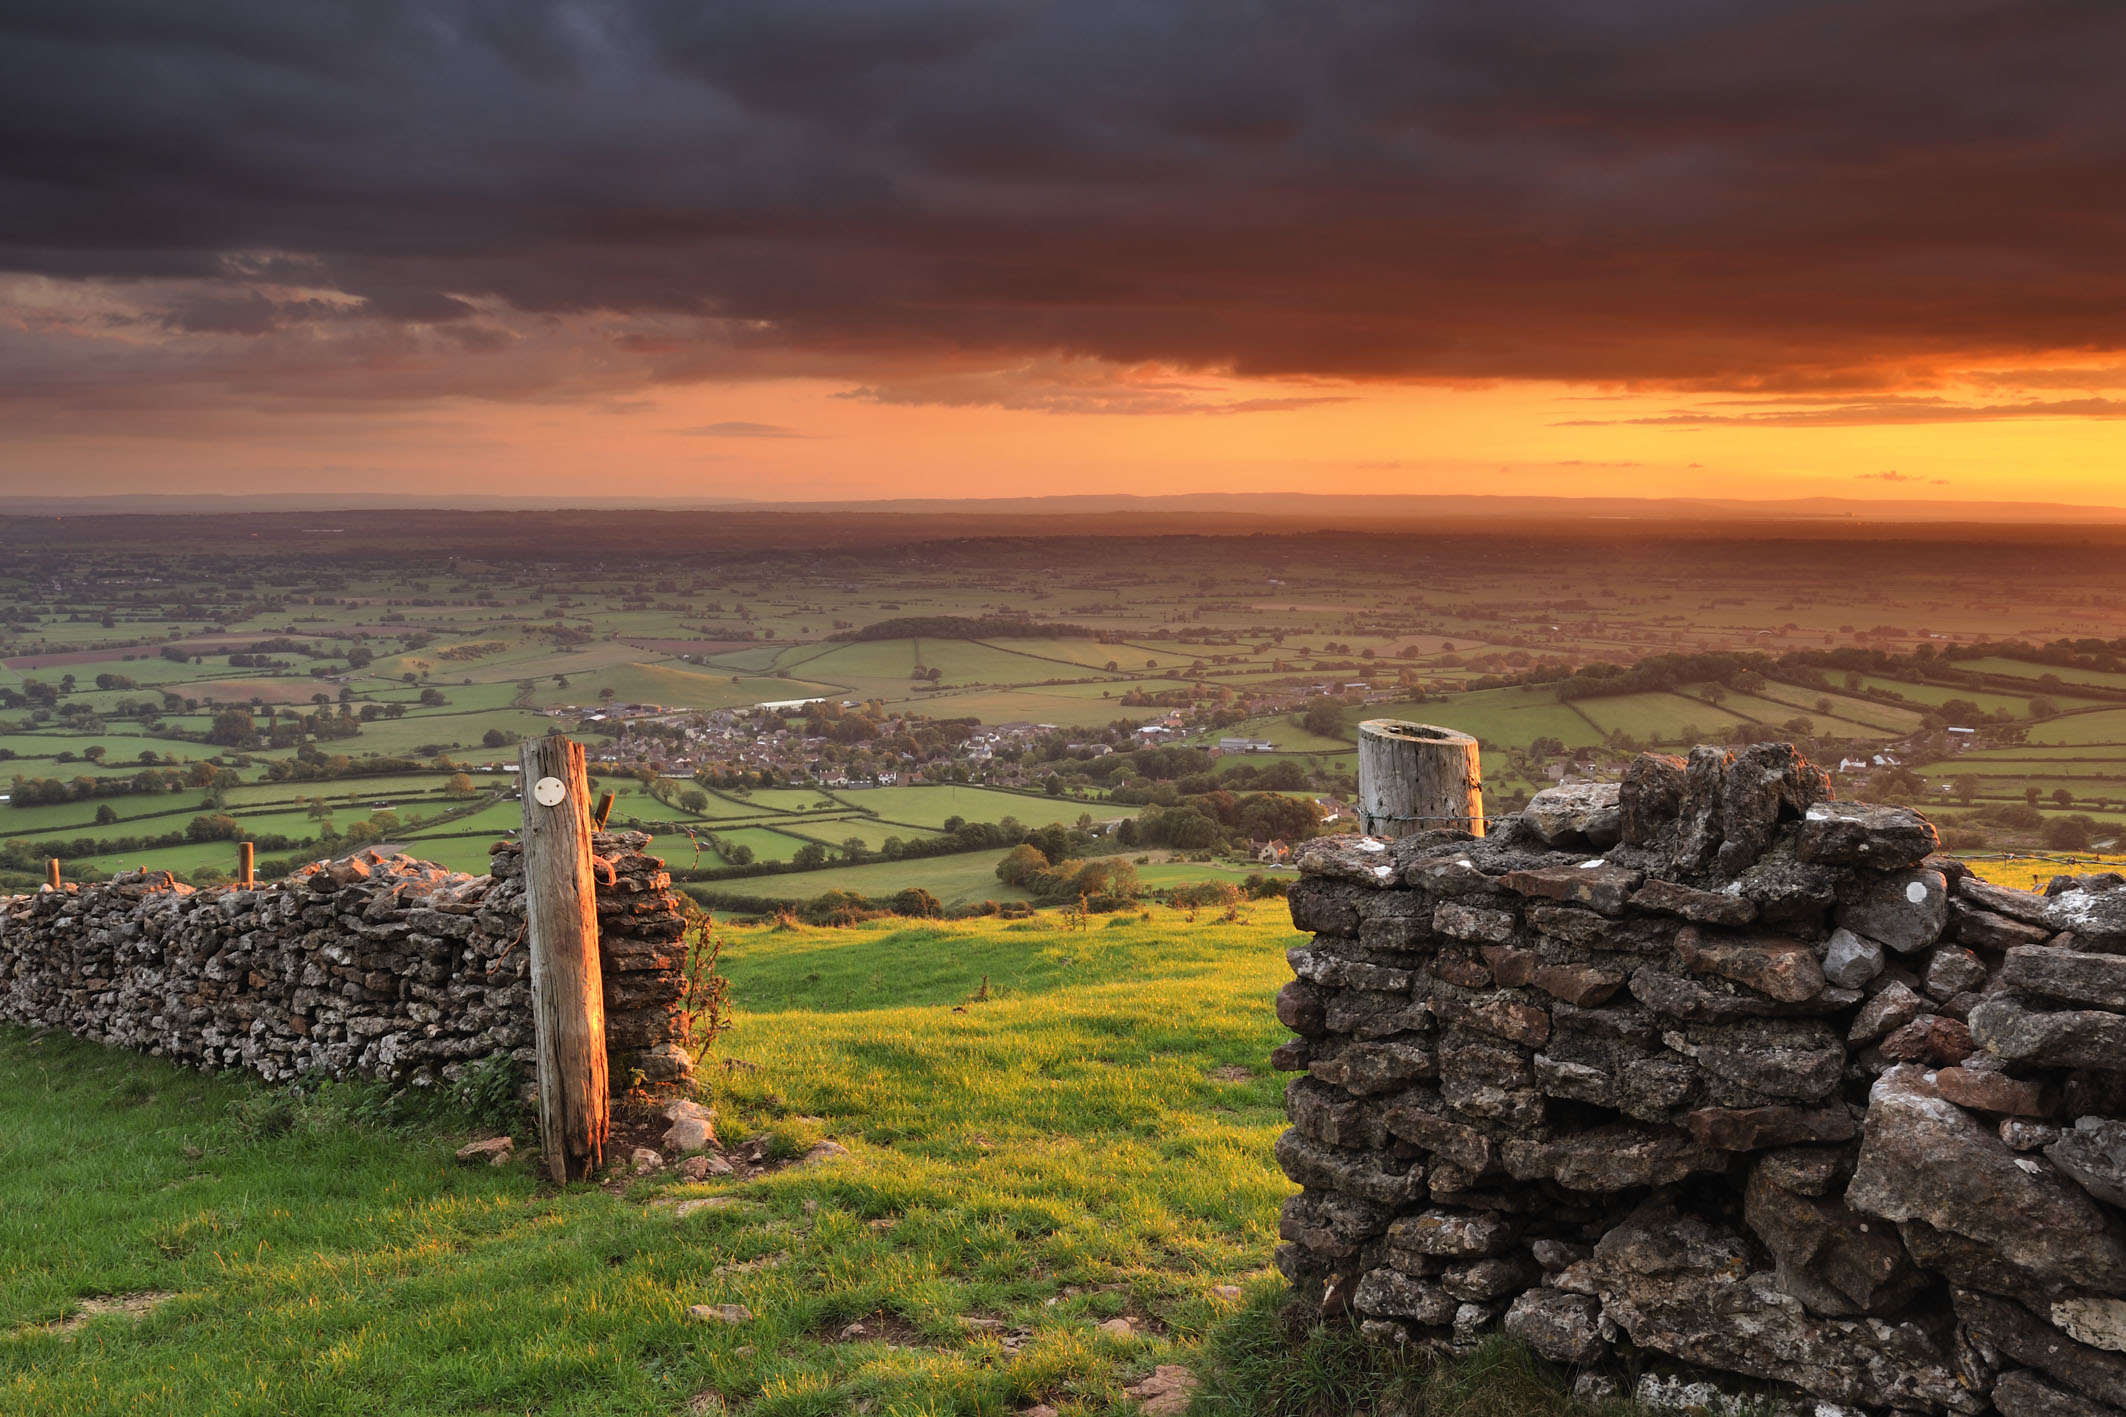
x: 1094, y: 1139
x: 461, y: 636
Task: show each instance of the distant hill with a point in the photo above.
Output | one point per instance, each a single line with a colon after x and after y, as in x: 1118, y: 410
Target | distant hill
x: 1233, y: 510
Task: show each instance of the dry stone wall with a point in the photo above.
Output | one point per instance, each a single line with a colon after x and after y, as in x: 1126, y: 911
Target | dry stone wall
x: 376, y: 966
x: 1708, y: 1067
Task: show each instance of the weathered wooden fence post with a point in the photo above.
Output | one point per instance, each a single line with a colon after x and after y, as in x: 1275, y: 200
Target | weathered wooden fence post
x: 568, y: 995
x: 246, y: 865
x: 1414, y: 777
x: 51, y: 873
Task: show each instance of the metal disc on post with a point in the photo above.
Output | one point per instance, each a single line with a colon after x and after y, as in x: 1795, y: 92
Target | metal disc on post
x: 1415, y: 777
x: 568, y: 990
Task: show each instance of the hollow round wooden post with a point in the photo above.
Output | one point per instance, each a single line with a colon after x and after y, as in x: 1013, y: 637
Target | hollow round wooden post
x: 51, y: 872
x: 568, y: 993
x: 1413, y: 777
x: 246, y: 865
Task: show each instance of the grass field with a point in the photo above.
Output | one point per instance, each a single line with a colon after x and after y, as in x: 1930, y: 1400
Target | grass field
x: 1092, y: 1139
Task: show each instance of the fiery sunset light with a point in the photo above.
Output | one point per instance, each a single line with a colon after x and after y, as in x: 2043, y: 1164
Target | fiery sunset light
x: 823, y: 250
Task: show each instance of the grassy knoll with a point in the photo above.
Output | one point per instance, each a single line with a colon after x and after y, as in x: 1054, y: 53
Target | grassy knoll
x: 1088, y: 1137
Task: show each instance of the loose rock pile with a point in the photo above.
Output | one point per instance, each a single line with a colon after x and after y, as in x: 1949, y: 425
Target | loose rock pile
x: 1705, y: 1064
x: 375, y: 966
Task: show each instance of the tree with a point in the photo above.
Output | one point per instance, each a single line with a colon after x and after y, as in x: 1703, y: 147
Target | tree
x: 1324, y: 719
x: 2062, y: 798
x: 360, y: 657
x: 605, y: 695
x: 1967, y: 788
x: 2042, y: 707
x: 1053, y: 786
x: 1021, y: 864
x: 916, y: 902
x: 432, y: 698
x: 2069, y: 833
x: 694, y: 800
x: 460, y: 785
x: 106, y: 814
x: 809, y: 856
x: 233, y: 728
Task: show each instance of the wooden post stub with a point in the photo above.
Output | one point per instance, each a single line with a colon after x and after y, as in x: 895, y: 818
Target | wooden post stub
x: 568, y: 992
x: 246, y: 861
x: 1413, y: 777
x: 51, y: 873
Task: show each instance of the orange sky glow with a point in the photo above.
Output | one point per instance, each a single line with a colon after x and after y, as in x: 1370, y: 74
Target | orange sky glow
x: 834, y: 250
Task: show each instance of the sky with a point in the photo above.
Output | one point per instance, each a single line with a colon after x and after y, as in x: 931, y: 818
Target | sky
x: 834, y: 249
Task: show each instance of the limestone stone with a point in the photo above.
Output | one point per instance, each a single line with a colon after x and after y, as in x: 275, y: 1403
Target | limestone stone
x: 1889, y: 1010
x: 1906, y: 910
x: 1953, y: 970
x: 1700, y: 819
x: 2024, y: 1394
x: 1649, y: 797
x: 1989, y: 930
x: 2016, y: 1332
x: 1576, y: 815
x: 1796, y: 1059
x: 1473, y: 922
x: 1703, y: 907
x: 1828, y: 1257
x: 1354, y: 1173
x: 1927, y: 1159
x: 1331, y: 1222
x: 2097, y: 918
x: 1758, y: 1128
x: 1789, y: 895
x: 1983, y: 1091
x: 1331, y: 1115
x: 1387, y: 1292
x: 1483, y: 1280
x: 1678, y: 1285
x: 1934, y: 1039
x: 1360, y: 860
x: 1376, y: 1067
x: 1779, y: 968
x: 1584, y: 985
x: 1454, y: 1234
x: 2094, y: 1155
x: 1864, y: 834
x: 1324, y: 906
x: 1611, y: 1158
x: 1765, y: 783
x: 1851, y: 960
x: 1565, y: 1328
x: 1595, y: 884
x: 2071, y: 976
x: 2027, y: 907
x: 2011, y: 1028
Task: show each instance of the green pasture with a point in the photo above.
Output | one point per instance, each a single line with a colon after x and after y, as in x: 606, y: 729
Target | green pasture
x: 2105, y: 726
x: 1507, y: 717
x: 767, y: 844
x: 672, y: 686
x: 957, y: 879
x: 2024, y: 669
x: 1660, y: 717
x: 1990, y: 701
x: 930, y: 806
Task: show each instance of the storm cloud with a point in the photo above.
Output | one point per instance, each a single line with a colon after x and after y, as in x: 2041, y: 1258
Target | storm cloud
x: 393, y: 200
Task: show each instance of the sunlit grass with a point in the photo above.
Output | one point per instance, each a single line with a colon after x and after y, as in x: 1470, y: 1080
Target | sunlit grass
x: 1052, y: 1150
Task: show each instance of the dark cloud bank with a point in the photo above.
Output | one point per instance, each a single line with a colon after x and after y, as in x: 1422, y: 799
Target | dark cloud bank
x: 1782, y: 197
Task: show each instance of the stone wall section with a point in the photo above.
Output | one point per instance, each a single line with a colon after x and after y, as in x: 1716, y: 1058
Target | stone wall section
x: 376, y: 966
x: 1707, y: 1066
